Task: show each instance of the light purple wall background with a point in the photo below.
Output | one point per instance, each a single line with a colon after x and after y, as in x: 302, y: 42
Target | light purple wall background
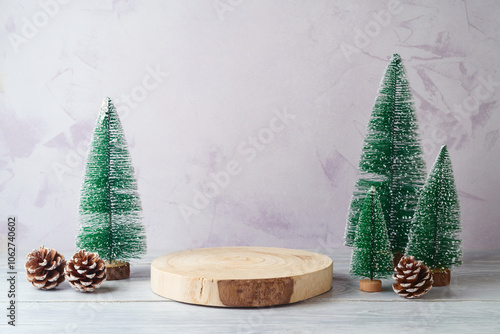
x: 195, y: 81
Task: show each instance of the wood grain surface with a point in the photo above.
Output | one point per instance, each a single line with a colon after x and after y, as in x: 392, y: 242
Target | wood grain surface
x: 241, y: 276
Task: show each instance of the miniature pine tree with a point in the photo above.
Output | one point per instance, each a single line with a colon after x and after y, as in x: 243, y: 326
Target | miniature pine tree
x: 434, y: 235
x: 371, y: 257
x: 392, y: 159
x: 110, y: 208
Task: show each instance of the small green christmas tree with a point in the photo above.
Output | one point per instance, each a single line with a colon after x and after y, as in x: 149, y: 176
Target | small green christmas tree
x: 392, y: 159
x: 371, y: 257
x: 110, y: 208
x: 434, y: 235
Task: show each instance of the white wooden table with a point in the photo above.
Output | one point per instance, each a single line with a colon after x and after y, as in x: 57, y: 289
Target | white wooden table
x: 471, y: 304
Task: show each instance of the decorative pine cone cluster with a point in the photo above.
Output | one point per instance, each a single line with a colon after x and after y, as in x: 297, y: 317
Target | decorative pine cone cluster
x: 413, y: 278
x: 85, y: 271
x: 45, y: 268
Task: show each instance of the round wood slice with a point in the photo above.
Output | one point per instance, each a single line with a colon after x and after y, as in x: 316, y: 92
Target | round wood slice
x: 241, y: 276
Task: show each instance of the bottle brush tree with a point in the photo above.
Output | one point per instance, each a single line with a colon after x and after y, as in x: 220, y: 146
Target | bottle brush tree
x: 371, y: 257
x: 391, y: 159
x: 434, y: 237
x: 110, y: 208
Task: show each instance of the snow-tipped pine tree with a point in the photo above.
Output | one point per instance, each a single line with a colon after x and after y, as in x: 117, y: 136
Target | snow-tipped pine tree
x: 371, y: 257
x: 110, y: 208
x: 434, y: 237
x: 391, y: 160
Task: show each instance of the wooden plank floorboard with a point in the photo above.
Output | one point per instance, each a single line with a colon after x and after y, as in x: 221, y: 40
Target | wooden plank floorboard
x: 341, y: 316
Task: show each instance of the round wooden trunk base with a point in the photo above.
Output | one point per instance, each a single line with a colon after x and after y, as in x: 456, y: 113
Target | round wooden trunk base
x: 241, y: 276
x: 117, y: 270
x: 368, y: 285
x: 441, y: 278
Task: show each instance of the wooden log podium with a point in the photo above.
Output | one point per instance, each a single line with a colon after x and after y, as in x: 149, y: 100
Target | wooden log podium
x: 241, y: 276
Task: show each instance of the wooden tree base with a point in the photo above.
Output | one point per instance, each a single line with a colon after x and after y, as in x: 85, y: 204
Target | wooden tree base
x: 441, y: 278
x: 368, y: 285
x: 117, y: 270
x: 241, y: 276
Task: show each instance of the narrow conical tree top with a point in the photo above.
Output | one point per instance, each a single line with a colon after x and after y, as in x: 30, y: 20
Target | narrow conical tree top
x: 434, y: 237
x: 110, y: 208
x: 391, y: 160
x: 371, y: 257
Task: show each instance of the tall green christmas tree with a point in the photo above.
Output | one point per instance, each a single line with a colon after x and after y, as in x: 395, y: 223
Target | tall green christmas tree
x: 391, y: 160
x: 434, y: 236
x: 371, y: 257
x: 110, y: 208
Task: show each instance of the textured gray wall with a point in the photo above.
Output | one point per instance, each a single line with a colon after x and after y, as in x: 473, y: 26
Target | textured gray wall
x: 276, y: 92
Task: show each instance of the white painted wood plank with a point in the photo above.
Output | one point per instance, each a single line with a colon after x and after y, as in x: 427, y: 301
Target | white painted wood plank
x: 342, y: 317
x: 477, y: 279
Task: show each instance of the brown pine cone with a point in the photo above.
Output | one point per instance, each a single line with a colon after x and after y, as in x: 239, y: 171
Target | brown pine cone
x: 45, y: 268
x: 85, y: 271
x: 413, y: 278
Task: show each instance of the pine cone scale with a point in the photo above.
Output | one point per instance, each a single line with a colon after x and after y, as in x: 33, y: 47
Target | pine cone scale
x: 412, y: 278
x: 54, y: 277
